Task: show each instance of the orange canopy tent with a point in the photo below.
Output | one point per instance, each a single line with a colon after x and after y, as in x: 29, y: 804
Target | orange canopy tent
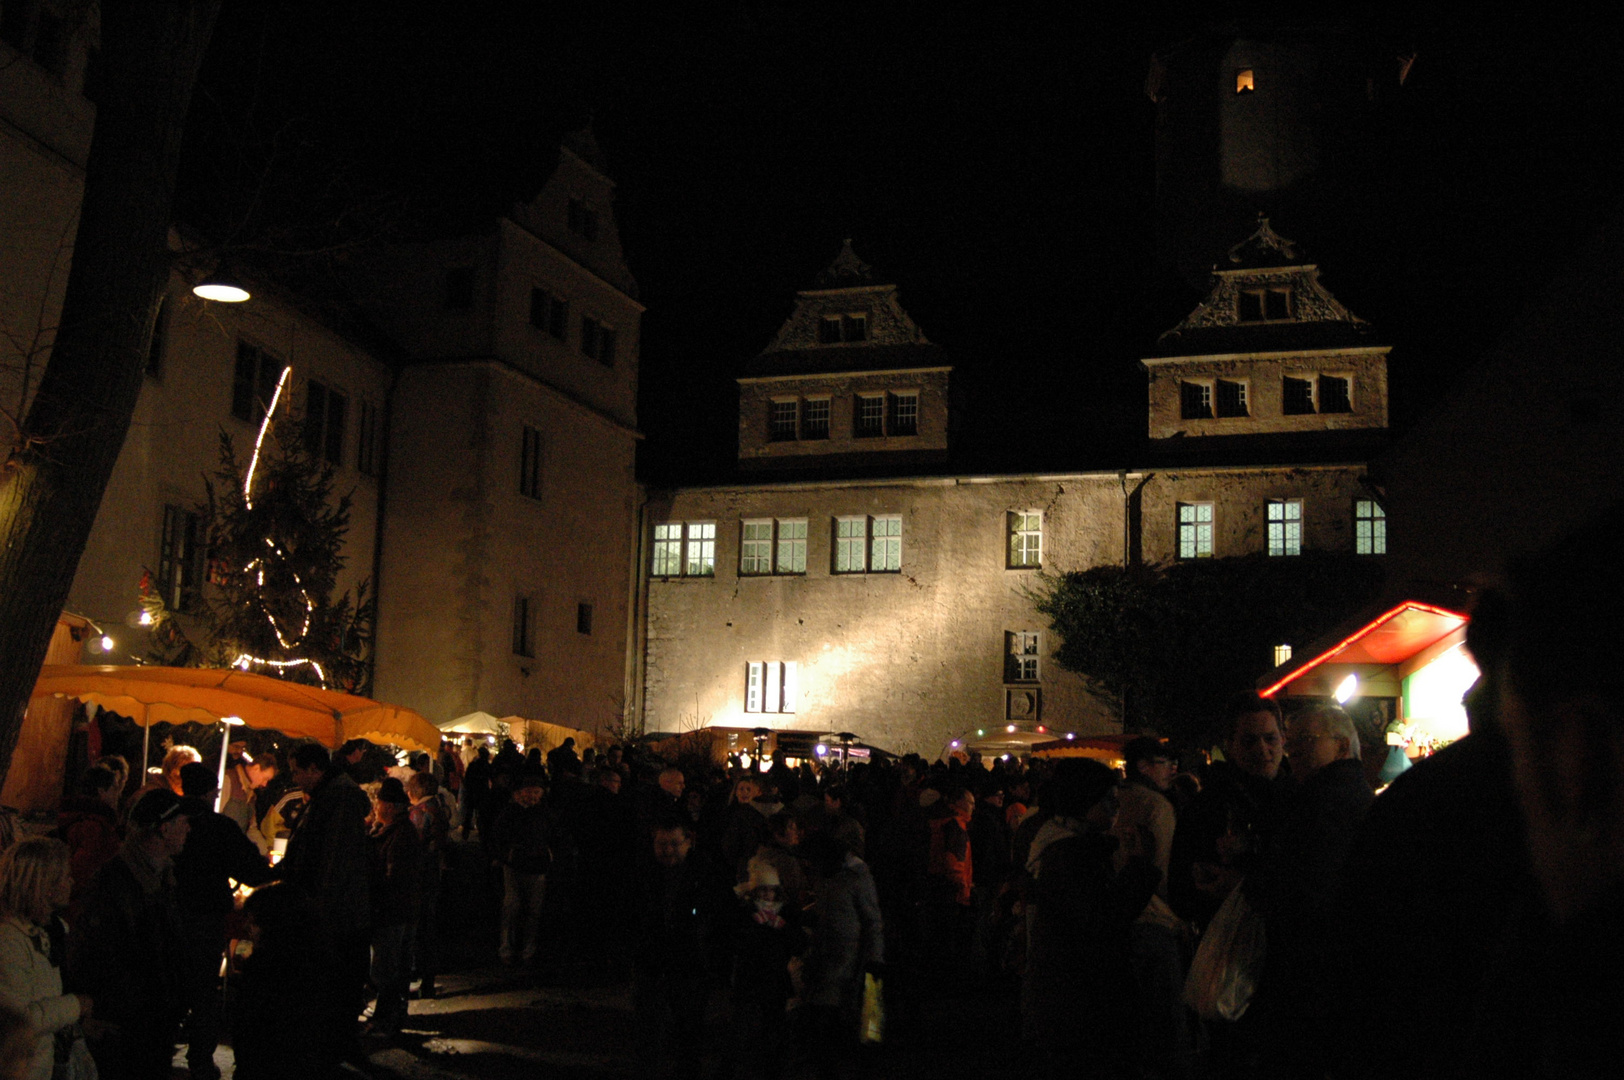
x: 155, y: 695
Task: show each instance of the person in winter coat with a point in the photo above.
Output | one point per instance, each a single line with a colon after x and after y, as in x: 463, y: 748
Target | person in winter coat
x: 283, y: 989
x: 88, y: 822
x: 35, y: 881
x: 848, y: 942
x: 327, y: 857
x: 523, y: 843
x: 216, y: 854
x: 1077, y: 995
x: 396, y: 867
x: 766, y: 937
x: 129, y: 953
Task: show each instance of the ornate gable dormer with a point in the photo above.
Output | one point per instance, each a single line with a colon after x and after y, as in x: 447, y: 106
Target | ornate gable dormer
x: 846, y: 308
x: 848, y: 378
x: 1268, y: 351
x: 1264, y: 283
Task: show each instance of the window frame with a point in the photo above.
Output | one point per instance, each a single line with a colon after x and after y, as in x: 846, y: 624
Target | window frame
x: 797, y: 541
x: 782, y: 427
x: 1195, y: 399
x: 878, y: 537
x: 1264, y: 296
x: 1283, y: 530
x: 1373, y: 525
x: 1200, y: 531
x: 524, y: 625
x: 181, y: 552
x: 597, y: 340
x: 772, y: 686
x: 902, y: 413
x: 756, y: 552
x: 532, y: 461
x: 865, y: 426
x: 1020, y: 536
x: 368, y: 447
x: 1241, y: 404
x: 251, y: 397
x: 323, y: 436
x: 1023, y: 657
x: 549, y: 313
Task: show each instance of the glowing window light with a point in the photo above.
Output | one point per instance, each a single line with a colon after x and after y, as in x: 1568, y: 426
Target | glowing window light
x: 1346, y: 689
x: 1245, y: 81
x: 1282, y: 654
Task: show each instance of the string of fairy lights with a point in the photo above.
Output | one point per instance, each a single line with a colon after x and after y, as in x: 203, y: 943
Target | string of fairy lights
x: 247, y: 661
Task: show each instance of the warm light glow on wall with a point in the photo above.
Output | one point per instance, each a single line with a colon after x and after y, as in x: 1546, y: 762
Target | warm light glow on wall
x: 1244, y: 82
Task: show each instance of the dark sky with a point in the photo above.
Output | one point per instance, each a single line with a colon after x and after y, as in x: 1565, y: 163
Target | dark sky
x: 997, y: 164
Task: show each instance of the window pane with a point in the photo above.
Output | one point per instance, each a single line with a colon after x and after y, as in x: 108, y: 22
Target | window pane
x: 792, y: 547
x: 775, y: 687
x: 1277, y: 304
x: 1285, y: 517
x: 1231, y: 398
x: 1195, y: 401
x: 701, y: 559
x: 1369, y: 528
x: 850, y: 545
x: 752, y: 687
x: 667, y: 550
x: 1297, y: 397
x: 870, y: 415
x: 887, y: 544
x: 828, y: 331
x: 755, y: 548
x: 815, y: 418
x: 856, y: 327
x: 1333, y: 395
x: 781, y: 425
x: 904, y: 414
x: 1195, y: 530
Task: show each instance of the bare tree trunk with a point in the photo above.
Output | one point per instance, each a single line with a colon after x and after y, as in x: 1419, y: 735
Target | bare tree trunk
x: 75, y: 428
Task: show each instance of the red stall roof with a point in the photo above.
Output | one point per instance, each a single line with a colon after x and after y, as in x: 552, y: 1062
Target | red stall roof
x: 1390, y: 638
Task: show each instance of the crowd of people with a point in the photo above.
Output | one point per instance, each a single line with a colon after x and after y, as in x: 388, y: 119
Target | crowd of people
x: 800, y: 898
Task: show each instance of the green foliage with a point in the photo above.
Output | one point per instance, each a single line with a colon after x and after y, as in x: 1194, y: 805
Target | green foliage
x: 273, y: 560
x: 1174, y: 640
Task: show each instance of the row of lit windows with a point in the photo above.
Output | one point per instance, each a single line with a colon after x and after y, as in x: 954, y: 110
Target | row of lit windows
x: 777, y: 546
x: 873, y: 416
x: 1204, y: 399
x: 1283, y: 519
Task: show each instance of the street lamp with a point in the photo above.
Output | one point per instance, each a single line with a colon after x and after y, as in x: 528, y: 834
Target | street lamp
x: 221, y: 286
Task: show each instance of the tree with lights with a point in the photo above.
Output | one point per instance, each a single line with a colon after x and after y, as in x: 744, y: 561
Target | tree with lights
x: 273, y: 536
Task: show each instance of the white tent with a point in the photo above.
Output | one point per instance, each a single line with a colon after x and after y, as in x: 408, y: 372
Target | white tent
x: 475, y: 723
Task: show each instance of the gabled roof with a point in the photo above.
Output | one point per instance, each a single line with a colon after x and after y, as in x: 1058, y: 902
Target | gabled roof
x: 1264, y: 260
x: 846, y: 287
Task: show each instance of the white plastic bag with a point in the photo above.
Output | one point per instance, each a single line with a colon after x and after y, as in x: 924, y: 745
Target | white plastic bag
x: 1228, y: 962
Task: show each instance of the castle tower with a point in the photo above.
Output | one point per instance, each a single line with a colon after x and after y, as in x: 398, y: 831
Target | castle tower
x: 1275, y: 120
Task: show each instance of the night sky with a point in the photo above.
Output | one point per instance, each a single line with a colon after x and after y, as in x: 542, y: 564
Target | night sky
x: 997, y: 165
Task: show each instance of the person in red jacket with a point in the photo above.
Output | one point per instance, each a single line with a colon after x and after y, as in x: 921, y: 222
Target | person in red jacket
x: 88, y: 822
x: 948, y: 883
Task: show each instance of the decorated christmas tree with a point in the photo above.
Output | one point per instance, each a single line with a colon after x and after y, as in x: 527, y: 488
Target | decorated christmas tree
x: 269, y: 550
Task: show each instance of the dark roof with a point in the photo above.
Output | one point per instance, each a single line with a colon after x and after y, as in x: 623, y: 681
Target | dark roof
x: 856, y: 358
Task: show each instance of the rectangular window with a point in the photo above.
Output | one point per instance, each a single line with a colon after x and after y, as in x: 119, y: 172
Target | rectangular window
x: 904, y: 414
x: 815, y: 418
x: 870, y: 416
x: 829, y: 330
x: 459, y: 288
x: 1021, y: 656
x: 791, y: 546
x: 597, y: 341
x: 180, y: 559
x: 524, y: 632
x: 1025, y: 539
x: 324, y: 422
x: 771, y: 686
x: 1195, y: 530
x: 886, y: 544
x: 254, y: 382
x: 854, y: 328
x: 1231, y: 398
x: 667, y: 550
x: 1282, y: 655
x: 1264, y: 305
x: 1195, y: 401
x: 699, y: 549
x: 1285, y: 518
x: 782, y: 420
x: 756, y: 547
x: 530, y: 457
x: 1296, y: 396
x: 366, y: 447
x: 851, y: 545
x: 1334, y: 396
x: 549, y: 313
x: 583, y: 618
x: 1245, y: 81
x: 1369, y: 527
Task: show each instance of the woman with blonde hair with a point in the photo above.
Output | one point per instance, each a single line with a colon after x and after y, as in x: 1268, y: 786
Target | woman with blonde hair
x: 35, y: 880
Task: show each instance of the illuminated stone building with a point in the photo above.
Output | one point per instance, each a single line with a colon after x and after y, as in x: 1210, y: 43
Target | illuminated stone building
x: 875, y: 591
